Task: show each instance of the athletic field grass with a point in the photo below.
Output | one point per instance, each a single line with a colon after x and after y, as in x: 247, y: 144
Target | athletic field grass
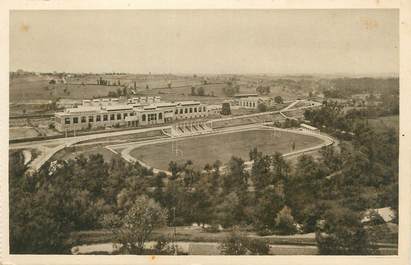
x: 207, y: 149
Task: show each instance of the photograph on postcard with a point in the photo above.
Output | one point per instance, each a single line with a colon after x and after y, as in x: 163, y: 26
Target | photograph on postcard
x: 204, y: 132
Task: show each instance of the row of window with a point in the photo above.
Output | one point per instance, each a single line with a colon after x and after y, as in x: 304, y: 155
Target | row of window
x: 152, y: 117
x: 98, y: 118
x: 248, y: 104
x: 122, y: 116
x: 190, y: 110
x: 191, y: 117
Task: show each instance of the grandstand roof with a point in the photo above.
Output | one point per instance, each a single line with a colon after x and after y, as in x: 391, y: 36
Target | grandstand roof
x: 164, y: 104
x: 187, y: 103
x: 245, y: 95
x: 118, y: 107
x: 82, y: 109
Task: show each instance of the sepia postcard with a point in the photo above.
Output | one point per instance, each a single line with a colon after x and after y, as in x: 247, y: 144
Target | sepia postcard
x: 182, y: 133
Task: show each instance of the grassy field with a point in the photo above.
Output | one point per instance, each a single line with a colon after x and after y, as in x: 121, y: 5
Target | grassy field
x: 96, y: 146
x: 38, y: 87
x: 22, y: 132
x: 128, y: 137
x: 44, y: 91
x: 87, y: 150
x: 193, y: 234
x: 384, y: 123
x: 207, y: 149
x: 29, y: 128
x: 195, y: 241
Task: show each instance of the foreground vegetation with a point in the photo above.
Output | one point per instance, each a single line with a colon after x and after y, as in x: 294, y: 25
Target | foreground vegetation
x: 327, y: 196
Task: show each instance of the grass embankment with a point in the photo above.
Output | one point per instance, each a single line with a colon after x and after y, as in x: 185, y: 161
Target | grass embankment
x: 127, y: 137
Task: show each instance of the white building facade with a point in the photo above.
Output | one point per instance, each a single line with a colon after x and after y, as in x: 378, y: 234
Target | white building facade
x: 106, y: 113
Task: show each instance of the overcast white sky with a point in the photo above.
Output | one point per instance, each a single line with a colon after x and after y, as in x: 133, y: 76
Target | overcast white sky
x: 252, y: 41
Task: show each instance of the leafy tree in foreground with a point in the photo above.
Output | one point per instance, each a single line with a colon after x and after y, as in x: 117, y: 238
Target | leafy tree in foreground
x: 267, y: 206
x: 342, y: 233
x: 234, y: 244
x: 34, y: 227
x: 285, y: 222
x: 237, y: 177
x: 237, y: 243
x: 227, y: 212
x: 134, y: 229
x: 257, y: 247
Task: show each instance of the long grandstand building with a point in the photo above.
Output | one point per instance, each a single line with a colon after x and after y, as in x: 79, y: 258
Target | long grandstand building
x: 136, y: 112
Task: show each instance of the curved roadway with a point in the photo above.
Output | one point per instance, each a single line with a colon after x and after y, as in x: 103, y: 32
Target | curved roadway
x: 48, y: 148
x: 128, y: 147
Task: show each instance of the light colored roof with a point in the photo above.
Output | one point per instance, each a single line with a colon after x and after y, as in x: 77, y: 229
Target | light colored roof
x: 386, y: 213
x: 65, y: 100
x: 137, y: 104
x: 265, y: 98
x: 188, y: 102
x: 82, y: 109
x: 164, y: 104
x: 119, y: 107
x: 245, y: 95
x: 149, y: 107
x: 308, y: 126
x: 250, y: 98
x: 214, y: 106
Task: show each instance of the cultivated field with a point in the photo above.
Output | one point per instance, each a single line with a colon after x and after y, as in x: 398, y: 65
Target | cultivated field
x: 207, y: 149
x: 22, y: 132
x: 28, y: 88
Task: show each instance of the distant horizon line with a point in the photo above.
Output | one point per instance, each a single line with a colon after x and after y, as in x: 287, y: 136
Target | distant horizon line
x: 385, y: 74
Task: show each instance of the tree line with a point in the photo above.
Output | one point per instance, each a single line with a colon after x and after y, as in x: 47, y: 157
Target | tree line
x: 327, y: 195
x: 332, y: 117
x: 346, y: 87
